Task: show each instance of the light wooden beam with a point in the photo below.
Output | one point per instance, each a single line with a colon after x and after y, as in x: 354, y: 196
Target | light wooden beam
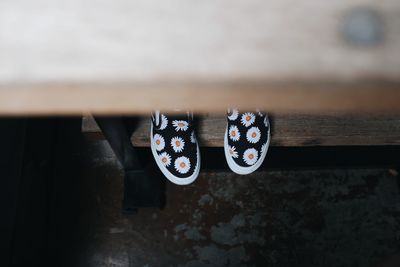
x: 141, y: 98
x: 62, y: 57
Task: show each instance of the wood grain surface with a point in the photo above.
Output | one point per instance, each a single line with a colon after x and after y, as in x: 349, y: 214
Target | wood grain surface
x: 288, y: 130
x: 112, y: 57
x: 75, y: 40
x: 128, y: 98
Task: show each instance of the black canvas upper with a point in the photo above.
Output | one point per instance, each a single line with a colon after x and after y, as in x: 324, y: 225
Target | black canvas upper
x: 176, y: 130
x: 246, y: 137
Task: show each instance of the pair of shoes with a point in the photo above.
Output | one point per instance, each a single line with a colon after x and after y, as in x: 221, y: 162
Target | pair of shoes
x: 176, y: 151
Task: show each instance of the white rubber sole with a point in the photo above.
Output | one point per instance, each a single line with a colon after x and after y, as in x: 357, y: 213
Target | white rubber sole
x: 174, y: 179
x: 237, y: 168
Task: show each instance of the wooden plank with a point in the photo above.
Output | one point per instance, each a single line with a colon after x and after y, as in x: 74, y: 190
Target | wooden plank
x: 290, y: 130
x: 56, y: 40
x: 130, y: 98
x: 68, y: 57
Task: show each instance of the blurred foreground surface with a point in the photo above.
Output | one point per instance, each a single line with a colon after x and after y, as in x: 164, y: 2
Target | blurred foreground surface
x: 68, y: 57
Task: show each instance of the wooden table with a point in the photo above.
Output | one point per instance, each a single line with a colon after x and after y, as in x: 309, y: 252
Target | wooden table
x: 112, y: 57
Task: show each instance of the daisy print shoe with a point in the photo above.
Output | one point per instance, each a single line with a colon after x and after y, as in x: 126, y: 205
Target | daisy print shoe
x: 246, y: 140
x: 174, y: 146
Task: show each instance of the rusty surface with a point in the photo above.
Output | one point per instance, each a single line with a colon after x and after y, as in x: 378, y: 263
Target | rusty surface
x: 331, y: 217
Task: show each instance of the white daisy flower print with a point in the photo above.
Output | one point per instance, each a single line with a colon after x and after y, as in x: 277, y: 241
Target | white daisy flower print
x: 165, y: 159
x: 263, y: 148
x: 250, y: 156
x: 193, y: 138
x: 234, y: 133
x: 233, y: 152
x: 259, y: 113
x: 180, y: 125
x: 253, y: 135
x: 164, y: 122
x: 159, y: 142
x: 234, y: 115
x: 177, y: 144
x: 182, y: 165
x: 248, y: 119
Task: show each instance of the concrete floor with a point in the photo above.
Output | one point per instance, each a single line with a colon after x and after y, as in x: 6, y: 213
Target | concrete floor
x: 325, y: 217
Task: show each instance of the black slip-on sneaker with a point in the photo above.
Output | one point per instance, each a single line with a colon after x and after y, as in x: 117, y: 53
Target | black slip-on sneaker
x: 174, y: 146
x: 246, y: 140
